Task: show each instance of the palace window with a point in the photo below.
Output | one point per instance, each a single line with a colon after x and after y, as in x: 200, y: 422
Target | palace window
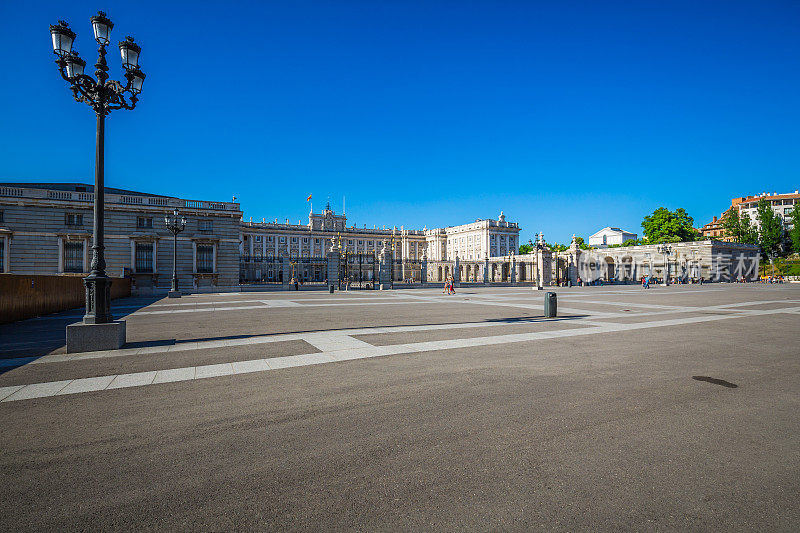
x: 73, y: 256
x: 258, y: 238
x: 206, y: 224
x: 144, y: 222
x: 205, y: 258
x: 305, y: 240
x: 294, y: 239
x: 360, y: 243
x: 2, y: 253
x: 144, y: 257
x: 350, y: 241
x: 73, y: 219
x: 283, y: 239
x: 316, y: 241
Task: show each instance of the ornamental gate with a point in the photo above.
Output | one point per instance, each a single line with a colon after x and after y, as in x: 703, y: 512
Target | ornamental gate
x: 258, y: 270
x: 310, y: 270
x: 358, y: 271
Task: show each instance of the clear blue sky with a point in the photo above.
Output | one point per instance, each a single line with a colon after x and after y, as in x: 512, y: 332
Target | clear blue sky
x: 568, y: 116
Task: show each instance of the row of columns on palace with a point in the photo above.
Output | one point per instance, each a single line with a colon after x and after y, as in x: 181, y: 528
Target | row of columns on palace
x: 509, y: 270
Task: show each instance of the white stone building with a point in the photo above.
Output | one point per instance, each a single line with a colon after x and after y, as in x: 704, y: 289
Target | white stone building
x: 477, y: 240
x: 608, y: 236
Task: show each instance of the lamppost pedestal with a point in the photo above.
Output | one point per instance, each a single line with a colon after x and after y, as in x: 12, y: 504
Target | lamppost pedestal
x: 83, y: 337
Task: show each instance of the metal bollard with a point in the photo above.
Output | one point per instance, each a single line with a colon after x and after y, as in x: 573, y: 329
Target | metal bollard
x: 330, y: 288
x: 550, y: 305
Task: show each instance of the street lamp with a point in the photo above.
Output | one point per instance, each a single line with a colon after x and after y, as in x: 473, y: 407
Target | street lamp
x: 103, y: 96
x: 539, y: 271
x: 665, y: 250
x: 175, y: 224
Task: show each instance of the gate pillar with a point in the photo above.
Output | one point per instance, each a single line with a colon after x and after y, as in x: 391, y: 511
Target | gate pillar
x: 485, y: 270
x: 513, y: 269
x: 287, y: 273
x: 385, y: 267
x: 333, y: 266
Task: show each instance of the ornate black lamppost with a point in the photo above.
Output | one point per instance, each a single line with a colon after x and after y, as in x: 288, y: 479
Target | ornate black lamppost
x: 175, y: 224
x: 666, y: 250
x: 103, y: 96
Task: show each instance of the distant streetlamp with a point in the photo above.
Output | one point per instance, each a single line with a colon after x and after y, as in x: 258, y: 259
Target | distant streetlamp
x: 665, y: 250
x: 103, y: 96
x: 175, y: 224
x: 539, y: 262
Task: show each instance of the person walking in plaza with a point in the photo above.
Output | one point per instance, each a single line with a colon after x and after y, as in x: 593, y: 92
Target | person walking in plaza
x: 452, y: 286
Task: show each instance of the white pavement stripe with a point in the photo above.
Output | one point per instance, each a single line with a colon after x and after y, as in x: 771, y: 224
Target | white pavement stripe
x: 38, y: 390
x: 133, y: 380
x: 269, y: 338
x: 87, y: 385
x: 5, y: 392
x: 328, y: 342
x: 174, y: 374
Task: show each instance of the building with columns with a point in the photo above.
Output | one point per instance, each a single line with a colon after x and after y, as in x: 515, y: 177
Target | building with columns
x: 264, y: 241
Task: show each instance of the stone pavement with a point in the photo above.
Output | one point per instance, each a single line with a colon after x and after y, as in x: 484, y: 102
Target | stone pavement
x: 412, y: 409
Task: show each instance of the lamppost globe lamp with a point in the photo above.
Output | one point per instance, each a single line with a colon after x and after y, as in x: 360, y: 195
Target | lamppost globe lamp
x: 129, y: 51
x: 103, y: 96
x: 74, y: 65
x: 63, y: 37
x: 102, y: 27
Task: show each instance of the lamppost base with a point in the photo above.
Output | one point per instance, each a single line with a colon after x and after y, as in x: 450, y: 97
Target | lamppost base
x: 174, y: 294
x: 94, y: 337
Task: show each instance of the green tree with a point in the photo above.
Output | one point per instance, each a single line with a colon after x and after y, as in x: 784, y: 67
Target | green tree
x: 630, y: 242
x: 749, y: 230
x: 669, y: 226
x: 771, y: 230
x: 794, y: 232
x: 582, y: 244
x: 739, y: 227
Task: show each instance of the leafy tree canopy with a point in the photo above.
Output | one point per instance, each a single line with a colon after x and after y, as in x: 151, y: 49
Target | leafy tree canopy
x: 771, y: 231
x: 669, y: 226
x: 794, y: 233
x: 739, y: 227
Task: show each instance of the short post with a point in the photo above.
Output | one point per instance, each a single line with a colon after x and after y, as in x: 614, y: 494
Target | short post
x: 550, y: 305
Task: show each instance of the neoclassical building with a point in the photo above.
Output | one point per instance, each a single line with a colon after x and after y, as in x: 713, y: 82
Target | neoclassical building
x: 45, y: 228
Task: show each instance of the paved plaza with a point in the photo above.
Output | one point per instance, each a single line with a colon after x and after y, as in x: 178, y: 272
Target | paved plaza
x: 661, y: 409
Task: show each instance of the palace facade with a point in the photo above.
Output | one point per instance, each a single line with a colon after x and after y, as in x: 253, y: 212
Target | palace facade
x: 46, y: 228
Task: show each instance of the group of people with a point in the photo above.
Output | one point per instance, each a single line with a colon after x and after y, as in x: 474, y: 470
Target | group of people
x: 449, y: 287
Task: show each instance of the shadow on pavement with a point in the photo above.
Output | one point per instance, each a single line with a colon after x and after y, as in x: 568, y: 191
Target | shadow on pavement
x: 27, y: 340
x: 716, y: 381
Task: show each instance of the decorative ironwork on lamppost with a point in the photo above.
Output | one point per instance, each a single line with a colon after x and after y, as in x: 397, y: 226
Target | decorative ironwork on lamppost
x: 103, y: 96
x: 175, y: 224
x: 665, y: 250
